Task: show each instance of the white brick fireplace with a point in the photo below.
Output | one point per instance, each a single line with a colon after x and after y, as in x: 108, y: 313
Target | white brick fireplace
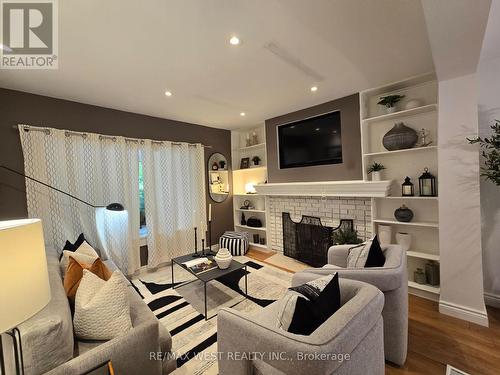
x: 330, y: 201
x: 329, y: 209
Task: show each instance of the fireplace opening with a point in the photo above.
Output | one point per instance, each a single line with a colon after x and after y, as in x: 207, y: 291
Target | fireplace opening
x: 309, y: 240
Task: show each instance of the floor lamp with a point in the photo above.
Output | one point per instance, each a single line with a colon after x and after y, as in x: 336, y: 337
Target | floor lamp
x: 24, y: 278
x: 110, y: 207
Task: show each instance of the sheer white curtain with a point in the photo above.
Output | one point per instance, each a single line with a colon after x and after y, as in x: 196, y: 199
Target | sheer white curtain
x: 174, y: 194
x: 96, y: 169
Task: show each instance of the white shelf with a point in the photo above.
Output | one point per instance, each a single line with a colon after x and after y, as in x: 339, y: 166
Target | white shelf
x: 427, y: 148
x: 422, y: 255
x: 404, y: 113
x: 250, y: 168
x: 251, y: 210
x: 431, y: 224
x: 258, y: 145
x: 415, y: 197
x: 246, y: 195
x: 247, y: 227
x: 425, y: 287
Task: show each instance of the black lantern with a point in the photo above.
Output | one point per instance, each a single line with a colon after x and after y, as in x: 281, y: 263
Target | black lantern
x: 427, y: 184
x: 407, y: 188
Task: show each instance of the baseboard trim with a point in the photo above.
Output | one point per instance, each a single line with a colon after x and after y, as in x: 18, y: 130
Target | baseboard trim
x: 464, y: 313
x: 491, y: 299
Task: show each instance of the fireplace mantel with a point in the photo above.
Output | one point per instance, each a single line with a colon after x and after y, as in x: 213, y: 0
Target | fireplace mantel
x: 360, y: 188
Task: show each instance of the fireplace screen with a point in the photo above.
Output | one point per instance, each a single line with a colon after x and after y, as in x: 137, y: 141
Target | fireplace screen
x: 308, y: 241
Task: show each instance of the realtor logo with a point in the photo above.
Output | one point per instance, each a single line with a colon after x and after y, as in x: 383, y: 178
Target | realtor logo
x: 29, y: 34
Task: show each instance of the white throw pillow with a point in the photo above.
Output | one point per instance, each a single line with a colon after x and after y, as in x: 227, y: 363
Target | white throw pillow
x: 358, y: 255
x: 102, y: 309
x: 84, y: 254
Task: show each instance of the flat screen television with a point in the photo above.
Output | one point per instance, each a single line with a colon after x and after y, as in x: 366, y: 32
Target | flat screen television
x: 313, y: 141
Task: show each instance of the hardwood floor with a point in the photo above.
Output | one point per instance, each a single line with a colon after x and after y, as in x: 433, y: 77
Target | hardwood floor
x: 436, y: 340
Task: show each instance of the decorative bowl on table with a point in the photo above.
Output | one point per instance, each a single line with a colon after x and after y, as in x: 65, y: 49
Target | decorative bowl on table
x: 223, y: 258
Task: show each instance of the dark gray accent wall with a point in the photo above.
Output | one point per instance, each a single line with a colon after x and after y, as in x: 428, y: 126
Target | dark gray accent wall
x: 350, y: 169
x: 19, y: 107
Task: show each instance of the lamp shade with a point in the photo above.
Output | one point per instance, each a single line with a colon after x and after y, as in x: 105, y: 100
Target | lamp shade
x: 24, y: 280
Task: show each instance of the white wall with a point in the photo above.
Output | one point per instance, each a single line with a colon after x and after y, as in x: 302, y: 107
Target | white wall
x: 489, y: 110
x: 459, y: 202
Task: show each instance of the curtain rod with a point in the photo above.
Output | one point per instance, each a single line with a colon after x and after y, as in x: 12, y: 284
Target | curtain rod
x: 68, y: 133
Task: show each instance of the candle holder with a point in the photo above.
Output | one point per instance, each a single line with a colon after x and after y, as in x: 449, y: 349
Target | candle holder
x: 202, y: 247
x: 195, y: 254
x: 210, y: 237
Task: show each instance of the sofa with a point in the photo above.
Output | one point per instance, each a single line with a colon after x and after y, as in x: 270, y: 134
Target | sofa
x: 356, y: 330
x: 49, y: 345
x: 391, y: 279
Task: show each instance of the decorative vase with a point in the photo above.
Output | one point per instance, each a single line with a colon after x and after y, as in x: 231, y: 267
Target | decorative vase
x: 215, y: 166
x: 419, y: 276
x: 400, y: 137
x: 403, y: 214
x: 243, y: 220
x: 376, y: 176
x: 432, y: 273
x: 256, y: 238
x: 413, y: 103
x: 403, y: 240
x: 222, y: 164
x: 223, y: 258
x: 384, y: 234
x: 390, y: 109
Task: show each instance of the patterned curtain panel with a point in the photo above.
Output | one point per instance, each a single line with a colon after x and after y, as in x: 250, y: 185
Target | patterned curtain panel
x: 174, y: 195
x: 99, y: 170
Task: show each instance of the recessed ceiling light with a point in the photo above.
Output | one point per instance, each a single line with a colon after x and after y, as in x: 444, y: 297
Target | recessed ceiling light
x: 168, y: 93
x: 234, y: 41
x: 314, y: 88
x: 317, y: 129
x: 243, y: 114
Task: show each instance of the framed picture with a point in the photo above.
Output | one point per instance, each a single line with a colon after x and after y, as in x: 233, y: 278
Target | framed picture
x: 245, y: 163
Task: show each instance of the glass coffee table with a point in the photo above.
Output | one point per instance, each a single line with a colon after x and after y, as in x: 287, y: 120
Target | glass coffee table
x: 208, y: 276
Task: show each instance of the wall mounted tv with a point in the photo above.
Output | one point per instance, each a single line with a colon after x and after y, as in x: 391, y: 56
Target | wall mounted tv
x: 313, y: 141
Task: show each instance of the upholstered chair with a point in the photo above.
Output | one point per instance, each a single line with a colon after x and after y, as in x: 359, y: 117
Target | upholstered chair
x: 252, y: 344
x: 391, y: 279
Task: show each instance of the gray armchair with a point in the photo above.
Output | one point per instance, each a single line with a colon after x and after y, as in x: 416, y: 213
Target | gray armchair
x: 356, y: 329
x: 391, y: 279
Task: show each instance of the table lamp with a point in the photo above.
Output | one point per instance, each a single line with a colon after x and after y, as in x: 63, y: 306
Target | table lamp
x: 24, y: 278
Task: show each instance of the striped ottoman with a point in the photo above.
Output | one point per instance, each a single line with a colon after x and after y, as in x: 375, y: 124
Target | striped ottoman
x: 235, y: 242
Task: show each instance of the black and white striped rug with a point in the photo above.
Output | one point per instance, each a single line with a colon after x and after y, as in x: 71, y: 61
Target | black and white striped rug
x: 194, y: 340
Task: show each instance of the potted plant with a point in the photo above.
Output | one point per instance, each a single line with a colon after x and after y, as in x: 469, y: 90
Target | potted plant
x: 256, y: 160
x: 390, y: 101
x: 491, y: 153
x: 375, y: 170
x: 346, y: 236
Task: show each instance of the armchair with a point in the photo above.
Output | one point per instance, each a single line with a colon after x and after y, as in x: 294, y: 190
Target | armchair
x: 391, y: 279
x: 250, y: 344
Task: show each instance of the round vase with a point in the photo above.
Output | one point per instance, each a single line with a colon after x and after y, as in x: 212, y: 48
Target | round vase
x: 400, y: 137
x: 403, y: 214
x: 384, y: 234
x: 223, y: 258
x: 403, y: 240
x: 376, y: 176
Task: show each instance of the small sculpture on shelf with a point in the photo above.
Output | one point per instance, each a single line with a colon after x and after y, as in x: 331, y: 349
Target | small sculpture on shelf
x: 423, y: 135
x: 403, y: 214
x: 256, y: 160
x: 243, y: 221
x: 222, y: 164
x: 419, y: 276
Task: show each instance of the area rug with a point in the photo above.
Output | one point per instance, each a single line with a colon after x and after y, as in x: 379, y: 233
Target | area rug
x: 194, y: 340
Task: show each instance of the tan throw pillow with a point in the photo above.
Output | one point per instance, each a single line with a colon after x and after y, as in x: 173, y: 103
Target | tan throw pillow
x: 74, y: 274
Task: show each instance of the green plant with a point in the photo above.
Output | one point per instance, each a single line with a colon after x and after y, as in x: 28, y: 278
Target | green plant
x: 390, y: 100
x: 256, y: 160
x: 375, y: 167
x: 491, y: 152
x: 346, y: 236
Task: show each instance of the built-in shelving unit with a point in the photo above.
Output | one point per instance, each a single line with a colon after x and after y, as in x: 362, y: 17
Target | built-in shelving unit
x: 245, y: 178
x: 424, y: 228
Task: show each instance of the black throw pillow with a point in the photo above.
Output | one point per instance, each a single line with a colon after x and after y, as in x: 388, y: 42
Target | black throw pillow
x: 309, y: 315
x: 376, y: 257
x: 73, y: 246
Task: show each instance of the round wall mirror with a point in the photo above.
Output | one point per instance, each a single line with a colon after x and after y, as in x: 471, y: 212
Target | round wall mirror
x: 218, y: 177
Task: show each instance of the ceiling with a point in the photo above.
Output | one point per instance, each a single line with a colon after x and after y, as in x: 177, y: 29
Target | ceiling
x: 126, y: 54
